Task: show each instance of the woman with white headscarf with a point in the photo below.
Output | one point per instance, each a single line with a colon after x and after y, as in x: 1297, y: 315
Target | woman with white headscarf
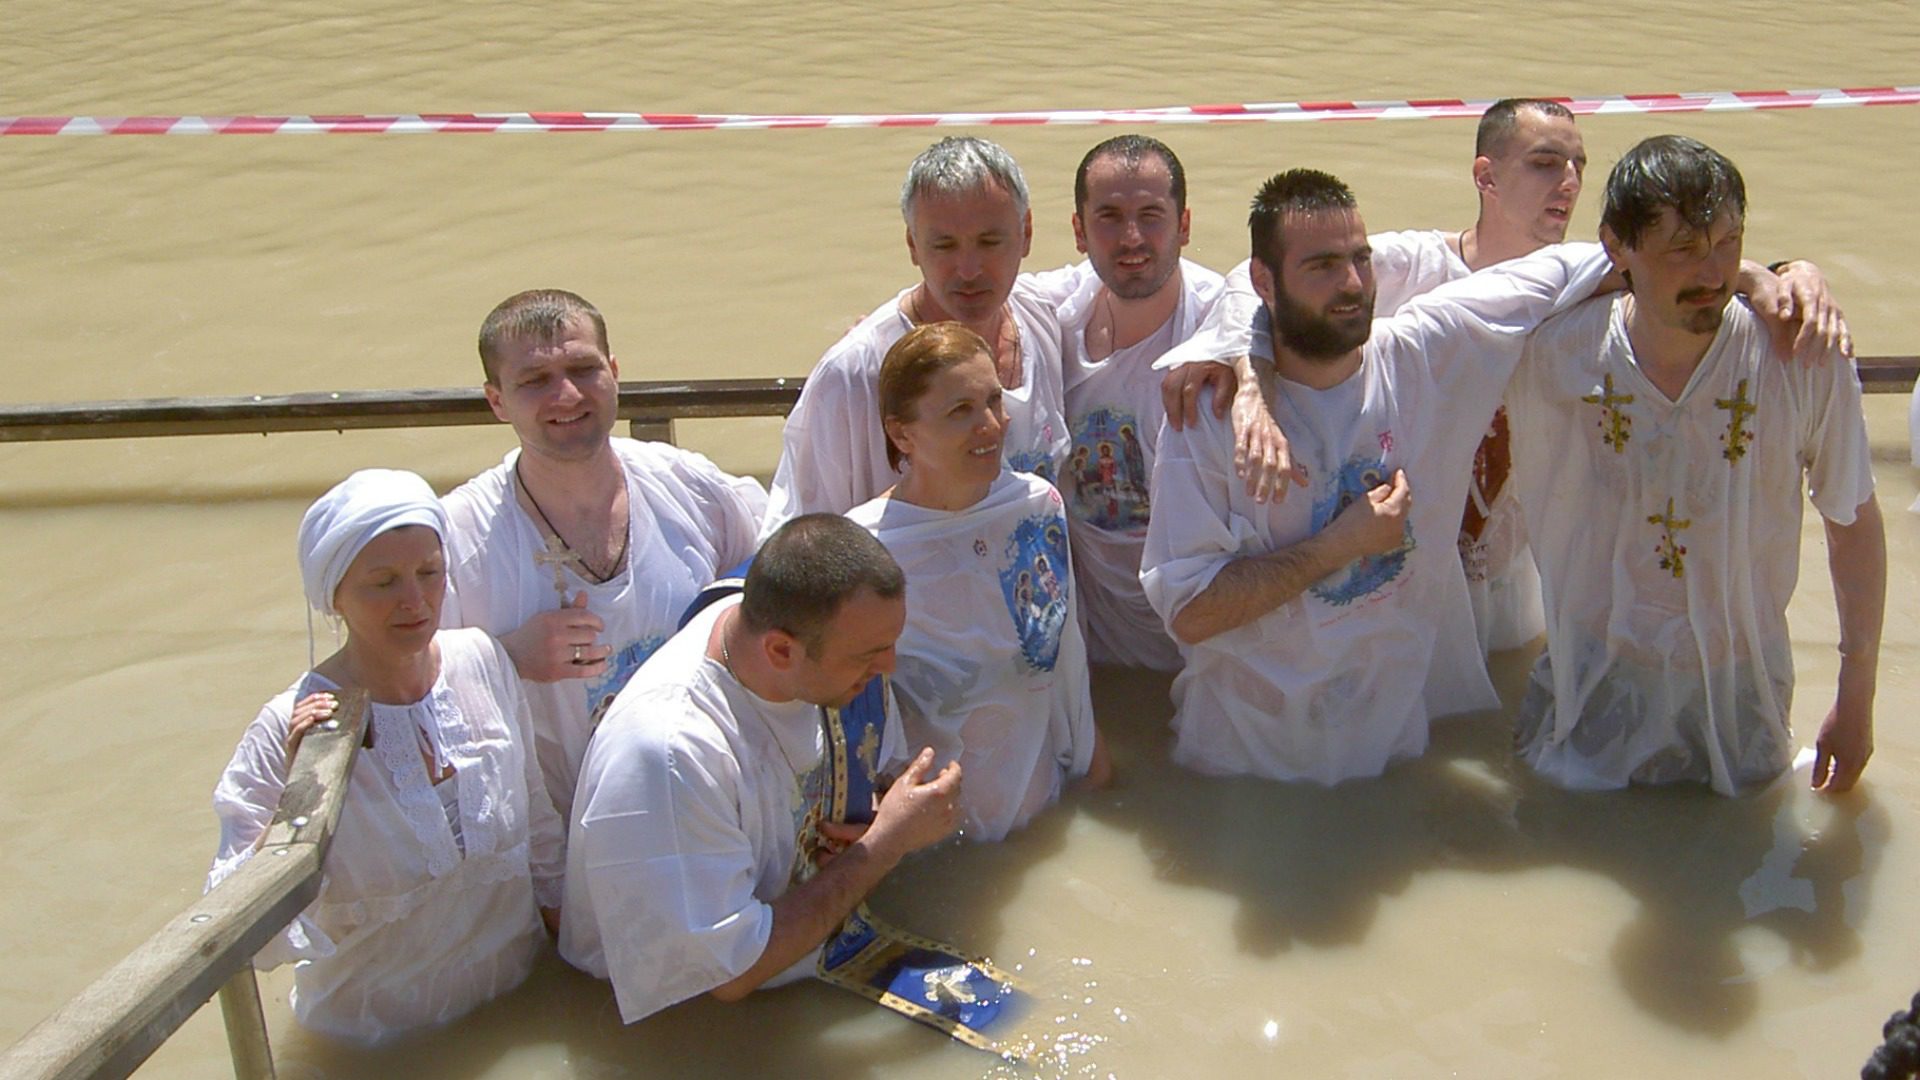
x: 448, y: 855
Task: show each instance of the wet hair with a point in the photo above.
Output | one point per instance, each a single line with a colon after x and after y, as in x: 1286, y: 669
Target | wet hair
x: 1698, y: 182
x: 1132, y: 150
x: 961, y: 165
x: 1296, y: 191
x: 539, y: 315
x: 911, y: 365
x: 1502, y: 119
x: 807, y: 569
x: 1898, y: 1057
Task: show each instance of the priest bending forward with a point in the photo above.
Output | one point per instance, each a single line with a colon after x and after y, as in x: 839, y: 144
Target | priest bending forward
x: 685, y: 860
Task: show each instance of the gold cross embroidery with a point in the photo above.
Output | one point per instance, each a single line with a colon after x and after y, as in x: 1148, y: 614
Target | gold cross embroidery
x: 1738, y: 434
x: 1617, y: 428
x: 1673, y: 554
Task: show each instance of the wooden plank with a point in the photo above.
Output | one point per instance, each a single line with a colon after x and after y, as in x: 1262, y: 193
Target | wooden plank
x: 246, y: 1024
x: 1888, y: 374
x: 112, y: 1026
x: 317, y: 781
x: 651, y: 430
x: 651, y: 405
x: 364, y: 409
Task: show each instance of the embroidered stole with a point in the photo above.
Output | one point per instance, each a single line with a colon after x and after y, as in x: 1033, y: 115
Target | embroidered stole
x: 921, y: 979
x: 924, y: 980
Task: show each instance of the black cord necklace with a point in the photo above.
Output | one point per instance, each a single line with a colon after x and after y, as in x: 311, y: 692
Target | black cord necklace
x: 587, y: 569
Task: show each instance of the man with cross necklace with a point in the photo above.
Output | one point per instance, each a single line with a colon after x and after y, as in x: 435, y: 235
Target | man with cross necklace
x: 580, y: 550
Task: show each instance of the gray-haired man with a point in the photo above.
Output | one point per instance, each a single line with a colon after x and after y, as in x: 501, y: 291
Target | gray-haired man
x: 968, y: 228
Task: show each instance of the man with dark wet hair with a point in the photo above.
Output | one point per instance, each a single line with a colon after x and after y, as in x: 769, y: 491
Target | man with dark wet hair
x: 1661, y: 448
x: 1529, y: 163
x: 1325, y: 631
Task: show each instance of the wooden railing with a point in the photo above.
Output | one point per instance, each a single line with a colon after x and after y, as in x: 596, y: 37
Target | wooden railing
x: 112, y: 1026
x: 1888, y: 374
x: 650, y: 407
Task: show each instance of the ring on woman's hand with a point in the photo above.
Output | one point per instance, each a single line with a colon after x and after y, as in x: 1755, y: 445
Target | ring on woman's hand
x: 576, y: 655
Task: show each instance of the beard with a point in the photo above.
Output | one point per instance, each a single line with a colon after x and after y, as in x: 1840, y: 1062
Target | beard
x: 1311, y: 335
x: 1704, y: 320
x: 1159, y: 271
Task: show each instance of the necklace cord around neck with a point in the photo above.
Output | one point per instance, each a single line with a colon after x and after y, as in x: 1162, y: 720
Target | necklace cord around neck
x: 626, y: 535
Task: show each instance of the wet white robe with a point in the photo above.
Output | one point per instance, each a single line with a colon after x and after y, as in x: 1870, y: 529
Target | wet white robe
x: 1668, y: 535
x: 411, y: 928
x: 1502, y: 581
x: 1342, y: 680
x: 992, y: 666
x: 688, y: 522
x: 833, y: 451
x: 1114, y: 411
x: 692, y: 798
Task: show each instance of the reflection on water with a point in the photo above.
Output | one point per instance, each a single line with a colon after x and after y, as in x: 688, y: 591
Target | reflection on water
x: 1452, y: 917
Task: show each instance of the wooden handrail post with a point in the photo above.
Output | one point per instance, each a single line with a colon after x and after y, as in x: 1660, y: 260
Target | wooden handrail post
x: 246, y: 1026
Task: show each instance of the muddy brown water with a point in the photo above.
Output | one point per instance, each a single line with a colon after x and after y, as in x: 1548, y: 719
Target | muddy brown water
x: 1452, y: 918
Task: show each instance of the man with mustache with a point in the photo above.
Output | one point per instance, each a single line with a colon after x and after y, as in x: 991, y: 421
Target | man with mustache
x: 1661, y: 450
x: 1325, y: 630
x: 968, y: 228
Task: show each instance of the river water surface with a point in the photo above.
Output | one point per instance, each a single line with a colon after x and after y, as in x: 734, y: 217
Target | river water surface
x: 1452, y: 918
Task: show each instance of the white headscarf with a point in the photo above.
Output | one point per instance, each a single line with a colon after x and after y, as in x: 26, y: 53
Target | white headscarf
x: 346, y: 519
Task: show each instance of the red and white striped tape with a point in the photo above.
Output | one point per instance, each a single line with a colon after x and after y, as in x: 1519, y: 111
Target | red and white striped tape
x: 1268, y: 112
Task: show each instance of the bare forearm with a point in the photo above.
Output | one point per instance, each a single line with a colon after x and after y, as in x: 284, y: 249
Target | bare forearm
x: 1247, y: 588
x: 1857, y: 562
x: 1255, y: 374
x: 1754, y: 277
x: 1254, y: 392
x: 807, y: 913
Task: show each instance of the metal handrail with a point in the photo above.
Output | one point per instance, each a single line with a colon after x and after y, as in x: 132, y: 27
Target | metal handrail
x: 115, y: 1024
